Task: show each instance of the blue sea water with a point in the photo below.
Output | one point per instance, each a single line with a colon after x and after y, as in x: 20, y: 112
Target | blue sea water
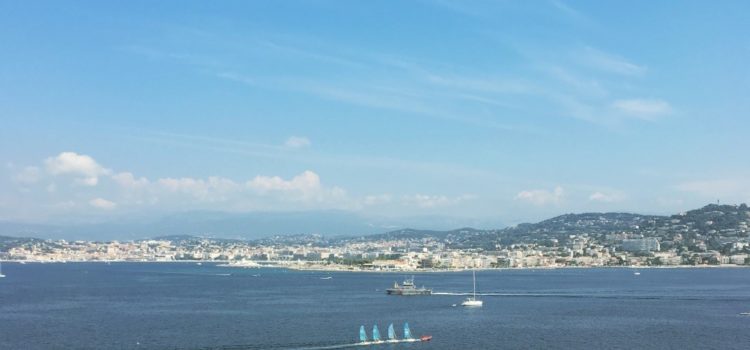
x: 186, y: 306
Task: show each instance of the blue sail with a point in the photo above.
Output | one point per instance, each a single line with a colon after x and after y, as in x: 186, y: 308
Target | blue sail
x: 375, y: 333
x: 407, y: 332
x: 391, y: 332
x: 362, y: 333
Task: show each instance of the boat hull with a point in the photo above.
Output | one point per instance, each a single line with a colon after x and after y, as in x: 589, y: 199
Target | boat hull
x: 407, y: 292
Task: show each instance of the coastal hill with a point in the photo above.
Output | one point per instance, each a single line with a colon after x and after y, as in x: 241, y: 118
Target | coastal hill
x: 713, y: 225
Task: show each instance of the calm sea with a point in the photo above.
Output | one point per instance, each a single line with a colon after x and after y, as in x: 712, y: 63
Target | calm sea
x: 187, y: 306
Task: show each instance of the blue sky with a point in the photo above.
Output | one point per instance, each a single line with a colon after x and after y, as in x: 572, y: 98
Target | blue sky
x: 502, y: 110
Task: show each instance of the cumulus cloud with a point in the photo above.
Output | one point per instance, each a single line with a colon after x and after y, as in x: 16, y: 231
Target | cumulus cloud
x: 541, y: 197
x: 297, y: 142
x: 76, y: 164
x: 305, y: 187
x: 213, y: 189
x: 308, y: 181
x: 302, y: 191
x: 647, y: 109
x: 127, y: 180
x: 102, y: 203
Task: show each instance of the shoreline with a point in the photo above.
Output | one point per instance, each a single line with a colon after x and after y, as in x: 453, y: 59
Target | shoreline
x: 297, y: 267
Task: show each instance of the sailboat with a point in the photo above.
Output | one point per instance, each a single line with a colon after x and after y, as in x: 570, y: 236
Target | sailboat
x: 472, y: 301
x: 1, y: 271
x: 391, y: 333
x: 375, y: 333
x: 407, y: 331
x: 362, y: 334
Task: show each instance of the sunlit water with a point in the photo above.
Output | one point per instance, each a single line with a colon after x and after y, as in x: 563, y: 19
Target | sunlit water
x: 186, y: 306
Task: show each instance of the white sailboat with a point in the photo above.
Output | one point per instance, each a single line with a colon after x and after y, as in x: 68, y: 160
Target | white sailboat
x: 1, y: 271
x: 472, y: 301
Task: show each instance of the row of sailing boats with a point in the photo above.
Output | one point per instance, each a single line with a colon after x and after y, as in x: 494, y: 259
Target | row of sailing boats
x: 392, y: 338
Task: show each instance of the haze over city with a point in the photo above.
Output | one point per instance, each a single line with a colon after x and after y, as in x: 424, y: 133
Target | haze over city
x: 481, y: 113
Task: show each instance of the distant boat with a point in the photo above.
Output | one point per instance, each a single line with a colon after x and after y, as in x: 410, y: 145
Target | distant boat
x: 326, y: 278
x: 744, y: 313
x: 407, y: 288
x: 637, y: 273
x: 199, y: 264
x: 472, y: 301
x: 375, y: 333
x: 1, y: 271
x: 391, y: 332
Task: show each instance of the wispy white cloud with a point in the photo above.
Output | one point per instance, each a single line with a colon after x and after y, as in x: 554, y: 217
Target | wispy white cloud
x: 28, y: 175
x: 541, y: 197
x: 609, y: 62
x: 377, y: 199
x: 647, y: 109
x: 569, y: 11
x: 297, y: 142
x: 432, y: 201
x: 606, y: 197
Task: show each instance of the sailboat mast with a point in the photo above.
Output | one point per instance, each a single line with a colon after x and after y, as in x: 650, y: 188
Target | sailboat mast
x: 474, y: 275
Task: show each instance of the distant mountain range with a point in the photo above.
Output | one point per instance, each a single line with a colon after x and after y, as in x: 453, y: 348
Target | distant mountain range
x: 226, y: 225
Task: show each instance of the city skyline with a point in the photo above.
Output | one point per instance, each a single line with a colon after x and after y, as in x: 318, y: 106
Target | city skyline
x: 484, y: 111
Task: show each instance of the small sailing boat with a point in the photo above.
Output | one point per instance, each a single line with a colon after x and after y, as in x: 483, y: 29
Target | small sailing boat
x: 407, y: 331
x: 391, y: 332
x: 1, y: 271
x: 472, y: 301
x: 362, y: 334
x: 375, y: 333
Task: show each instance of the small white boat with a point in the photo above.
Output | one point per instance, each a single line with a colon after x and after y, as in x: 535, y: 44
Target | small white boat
x: 1, y: 271
x: 472, y: 301
x: 744, y: 313
x: 637, y: 273
x: 199, y: 264
x: 326, y: 278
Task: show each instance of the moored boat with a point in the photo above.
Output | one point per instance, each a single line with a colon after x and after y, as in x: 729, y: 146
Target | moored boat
x: 472, y: 301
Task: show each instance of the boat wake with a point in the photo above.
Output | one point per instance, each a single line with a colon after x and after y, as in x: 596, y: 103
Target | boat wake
x: 312, y: 347
x: 597, y: 296
x: 355, y: 345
